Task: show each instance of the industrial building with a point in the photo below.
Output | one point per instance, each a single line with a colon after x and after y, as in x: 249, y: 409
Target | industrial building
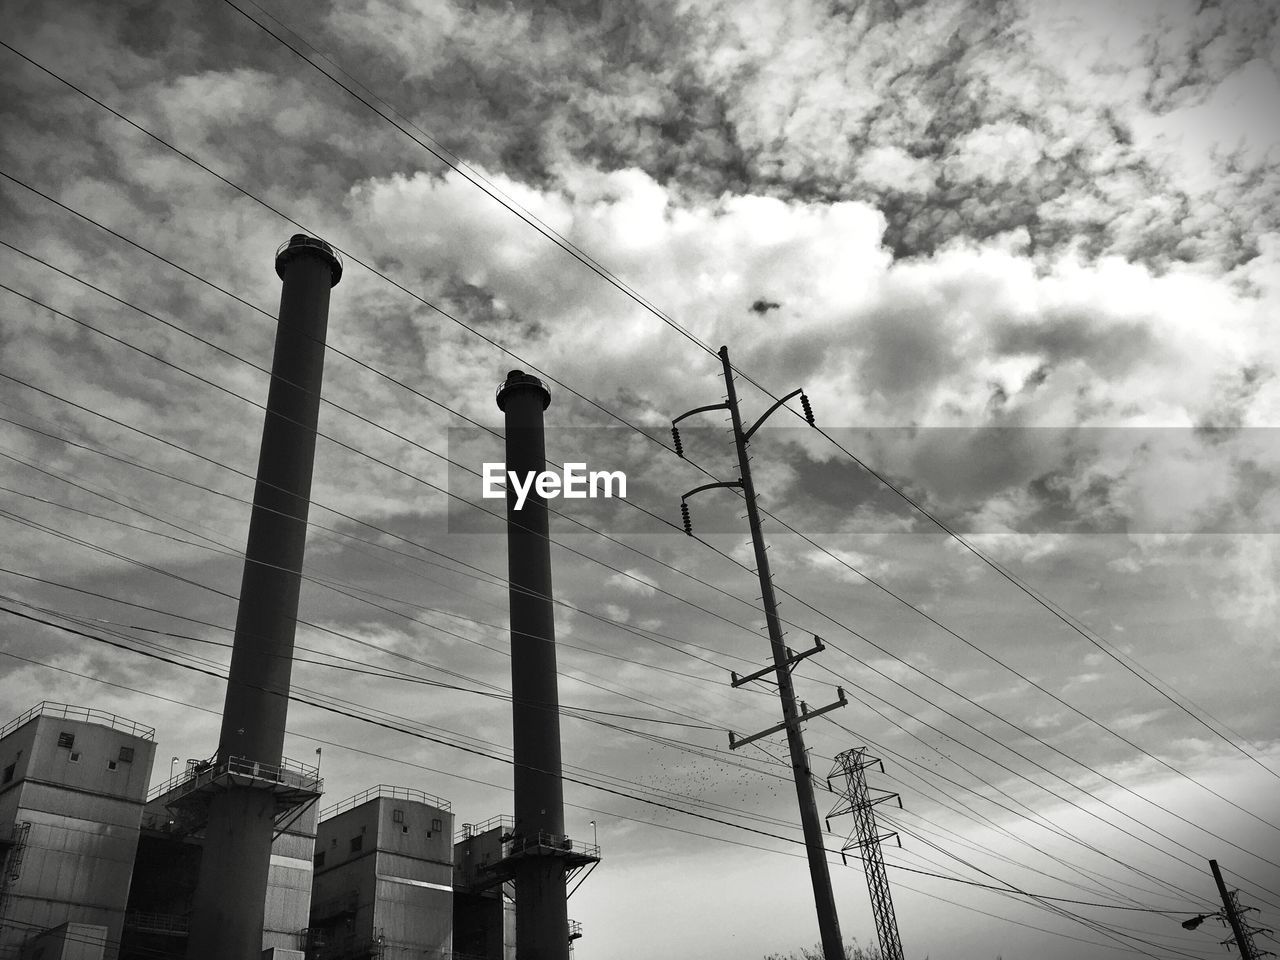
x: 93, y: 867
x: 383, y: 878
x: 484, y: 914
x: 229, y: 859
x: 73, y: 782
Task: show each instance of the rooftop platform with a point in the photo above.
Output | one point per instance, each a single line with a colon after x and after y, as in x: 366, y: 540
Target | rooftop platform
x: 66, y: 711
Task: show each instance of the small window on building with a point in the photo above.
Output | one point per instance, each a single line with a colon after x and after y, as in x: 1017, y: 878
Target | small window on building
x: 67, y: 740
x: 397, y: 816
x: 320, y: 859
x: 111, y: 764
x: 8, y: 773
x: 126, y: 754
x: 74, y: 758
x: 357, y: 844
x: 333, y: 842
x: 436, y: 825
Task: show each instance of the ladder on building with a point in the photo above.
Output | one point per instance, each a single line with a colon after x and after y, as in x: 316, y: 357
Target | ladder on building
x: 13, y: 843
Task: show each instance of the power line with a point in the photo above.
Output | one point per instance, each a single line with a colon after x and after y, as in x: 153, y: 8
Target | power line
x: 472, y: 750
x: 666, y: 319
x: 1030, y: 816
x: 471, y: 571
x: 641, y: 431
x: 195, y: 583
x: 1047, y: 605
x: 332, y: 439
x: 437, y: 734
x: 1058, y: 776
x: 363, y: 419
x: 117, y: 338
x: 233, y: 552
x: 616, y: 282
x: 570, y: 249
x: 351, y: 665
x: 319, y: 581
x: 1105, y: 932
x: 116, y: 599
x: 356, y: 450
x: 169, y: 613
x: 658, y: 824
x: 398, y: 470
x: 375, y: 604
x: 384, y: 277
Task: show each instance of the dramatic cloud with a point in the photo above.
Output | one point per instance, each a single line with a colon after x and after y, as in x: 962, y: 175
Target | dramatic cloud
x: 1023, y: 258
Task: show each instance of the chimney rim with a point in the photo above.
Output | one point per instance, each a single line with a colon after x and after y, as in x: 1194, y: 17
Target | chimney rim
x: 302, y: 243
x: 517, y: 379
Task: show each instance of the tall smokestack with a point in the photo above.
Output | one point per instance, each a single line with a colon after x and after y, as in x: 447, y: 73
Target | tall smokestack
x: 247, y: 782
x: 539, y: 851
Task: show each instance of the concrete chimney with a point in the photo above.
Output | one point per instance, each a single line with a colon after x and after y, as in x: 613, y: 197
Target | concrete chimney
x: 539, y: 851
x: 247, y: 784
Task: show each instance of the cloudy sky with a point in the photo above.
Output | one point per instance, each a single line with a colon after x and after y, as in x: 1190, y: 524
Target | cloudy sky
x: 1023, y: 258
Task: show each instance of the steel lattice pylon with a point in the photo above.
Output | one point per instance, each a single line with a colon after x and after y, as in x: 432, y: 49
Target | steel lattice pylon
x: 857, y: 800
x: 1248, y: 949
x: 1234, y: 913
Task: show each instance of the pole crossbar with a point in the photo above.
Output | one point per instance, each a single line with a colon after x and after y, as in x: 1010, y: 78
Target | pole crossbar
x: 792, y: 659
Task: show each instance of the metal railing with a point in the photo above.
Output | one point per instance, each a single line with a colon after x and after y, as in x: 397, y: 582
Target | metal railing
x: 288, y: 772
x: 540, y: 841
x: 527, y: 378
x: 299, y: 241
x: 157, y: 922
x: 47, y: 708
x: 469, y: 830
x: 513, y: 843
x: 384, y: 790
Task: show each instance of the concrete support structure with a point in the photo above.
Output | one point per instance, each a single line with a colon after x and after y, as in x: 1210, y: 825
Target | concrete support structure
x: 165, y: 872
x: 539, y: 850
x: 227, y: 918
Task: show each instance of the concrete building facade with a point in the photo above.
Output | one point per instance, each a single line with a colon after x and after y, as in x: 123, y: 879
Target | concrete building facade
x: 73, y: 782
x: 383, y: 882
x: 92, y: 867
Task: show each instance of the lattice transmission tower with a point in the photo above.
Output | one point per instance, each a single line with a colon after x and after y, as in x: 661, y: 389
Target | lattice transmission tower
x: 856, y: 799
x: 1234, y: 914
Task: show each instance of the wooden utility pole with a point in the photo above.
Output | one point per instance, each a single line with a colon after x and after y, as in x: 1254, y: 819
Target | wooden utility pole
x: 784, y: 661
